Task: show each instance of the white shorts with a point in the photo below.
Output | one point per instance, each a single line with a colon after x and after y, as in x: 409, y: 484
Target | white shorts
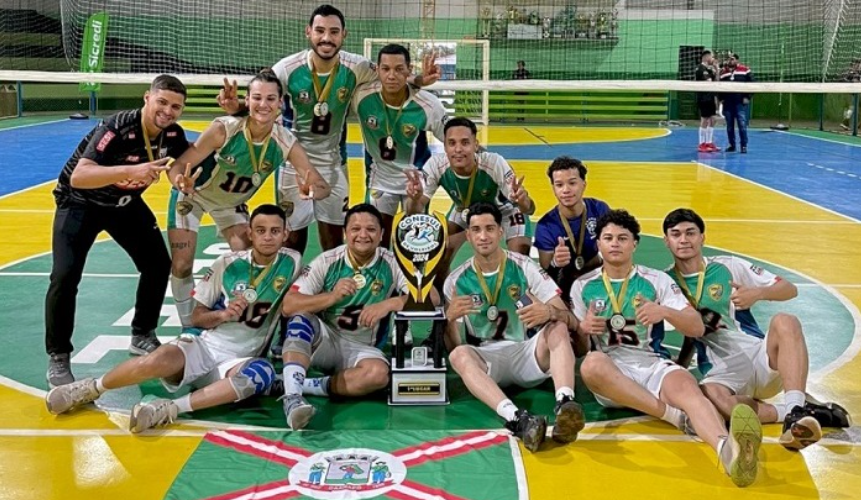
x: 646, y: 369
x: 223, y: 217
x: 513, y: 363
x: 387, y: 203
x: 203, y: 366
x: 745, y: 371
x: 514, y: 223
x: 334, y: 353
x: 301, y: 213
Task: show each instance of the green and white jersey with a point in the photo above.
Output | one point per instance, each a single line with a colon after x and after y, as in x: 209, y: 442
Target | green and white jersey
x: 225, y: 181
x: 383, y: 278
x: 231, y: 274
x: 719, y: 274
x: 407, y: 125
x: 321, y: 138
x: 491, y: 182
x: 521, y: 275
x: 643, y: 281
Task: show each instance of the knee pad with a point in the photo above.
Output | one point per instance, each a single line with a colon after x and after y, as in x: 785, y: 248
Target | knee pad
x: 301, y: 332
x: 254, y: 377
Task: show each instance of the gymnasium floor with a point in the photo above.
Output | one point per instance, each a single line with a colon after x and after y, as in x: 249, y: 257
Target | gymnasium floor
x: 791, y: 204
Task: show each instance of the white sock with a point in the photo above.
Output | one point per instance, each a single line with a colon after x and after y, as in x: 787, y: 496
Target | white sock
x: 100, y: 387
x: 183, y: 404
x: 294, y: 378
x: 781, y: 409
x: 710, y: 135
x: 674, y: 416
x: 723, y: 453
x: 182, y: 289
x: 792, y: 399
x: 316, y: 386
x: 702, y: 135
x: 507, y: 410
x: 564, y: 391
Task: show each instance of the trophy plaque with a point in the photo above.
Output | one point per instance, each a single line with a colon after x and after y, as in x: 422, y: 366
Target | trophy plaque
x: 419, y: 242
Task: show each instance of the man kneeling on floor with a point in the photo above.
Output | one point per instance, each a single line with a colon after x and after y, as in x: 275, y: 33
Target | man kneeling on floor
x: 237, y: 303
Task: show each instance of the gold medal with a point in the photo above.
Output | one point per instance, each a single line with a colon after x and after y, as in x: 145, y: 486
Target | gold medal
x: 360, y: 280
x: 580, y: 261
x: 184, y: 207
x: 256, y: 178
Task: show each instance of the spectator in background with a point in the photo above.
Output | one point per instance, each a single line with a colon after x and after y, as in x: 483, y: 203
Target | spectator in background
x: 521, y: 73
x: 736, y: 105
x: 853, y: 74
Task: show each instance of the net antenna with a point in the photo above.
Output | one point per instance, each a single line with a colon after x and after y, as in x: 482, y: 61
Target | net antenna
x: 463, y: 59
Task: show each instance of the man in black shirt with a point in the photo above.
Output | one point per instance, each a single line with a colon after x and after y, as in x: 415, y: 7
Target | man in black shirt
x: 521, y: 73
x: 707, y: 104
x: 100, y: 189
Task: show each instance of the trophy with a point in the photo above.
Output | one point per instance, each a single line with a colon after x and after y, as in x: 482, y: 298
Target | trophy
x: 602, y: 25
x: 546, y: 25
x: 581, y: 26
x: 419, y: 242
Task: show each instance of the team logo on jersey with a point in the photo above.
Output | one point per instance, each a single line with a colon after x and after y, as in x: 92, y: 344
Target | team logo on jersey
x: 133, y: 158
x: 419, y: 233
x: 347, y: 473
x: 162, y: 152
x: 477, y: 301
x: 230, y: 160
x: 239, y: 287
x: 343, y: 94
x: 288, y: 207
x: 716, y: 291
x: 591, y: 224
x: 408, y: 129
x: 266, y: 167
x: 514, y: 292
x: 279, y: 283
x: 638, y: 299
x: 372, y: 122
x: 485, y: 192
x: 599, y: 305
x: 756, y: 270
x: 376, y: 287
x: 304, y: 97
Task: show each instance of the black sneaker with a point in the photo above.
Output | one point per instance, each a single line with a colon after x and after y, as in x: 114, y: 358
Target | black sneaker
x: 827, y: 414
x: 744, y: 150
x: 800, y: 429
x: 531, y: 429
x: 144, y: 343
x: 570, y: 420
x: 59, y: 370
x: 730, y: 149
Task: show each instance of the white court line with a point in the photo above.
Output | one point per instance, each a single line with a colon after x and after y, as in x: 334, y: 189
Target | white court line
x: 16, y: 127
x: 28, y: 188
x: 583, y: 436
x: 795, y: 134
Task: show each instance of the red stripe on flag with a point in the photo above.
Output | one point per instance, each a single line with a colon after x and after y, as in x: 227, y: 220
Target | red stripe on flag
x: 250, y: 450
x: 466, y: 448
x: 441, y: 442
x: 259, y: 488
x: 427, y: 490
x: 271, y: 442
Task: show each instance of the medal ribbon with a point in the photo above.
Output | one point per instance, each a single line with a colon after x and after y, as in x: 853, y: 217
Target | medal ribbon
x: 357, y: 269
x: 390, y: 125
x: 255, y: 282
x: 499, y: 277
x: 323, y: 93
x: 147, y: 143
x: 616, y: 302
x: 254, y: 163
x: 701, y: 278
x: 464, y: 203
x: 570, y: 233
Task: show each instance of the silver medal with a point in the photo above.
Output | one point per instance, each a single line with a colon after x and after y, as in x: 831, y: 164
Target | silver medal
x: 250, y: 295
x: 579, y: 262
x: 617, y: 322
x: 390, y: 143
x: 492, y: 313
x: 257, y: 179
x: 318, y: 109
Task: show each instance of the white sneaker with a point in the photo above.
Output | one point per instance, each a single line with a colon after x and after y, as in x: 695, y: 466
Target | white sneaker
x: 297, y: 411
x: 63, y: 398
x: 740, y: 452
x: 153, y: 413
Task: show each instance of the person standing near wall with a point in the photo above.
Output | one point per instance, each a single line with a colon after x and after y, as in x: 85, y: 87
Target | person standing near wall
x: 736, y: 105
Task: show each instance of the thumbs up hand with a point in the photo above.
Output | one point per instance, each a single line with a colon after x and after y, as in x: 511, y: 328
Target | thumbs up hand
x: 561, y: 254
